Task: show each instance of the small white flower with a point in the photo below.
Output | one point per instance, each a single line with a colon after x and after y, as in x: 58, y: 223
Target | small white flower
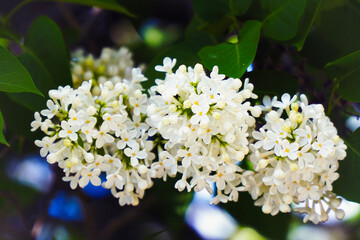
x: 46, y: 145
x: 168, y: 64
x: 127, y: 138
x: 103, y: 137
x: 285, y: 101
x: 135, y: 154
x: 311, y: 192
x: 37, y: 122
x: 289, y: 149
x: 69, y: 131
x: 92, y: 176
x: 53, y: 109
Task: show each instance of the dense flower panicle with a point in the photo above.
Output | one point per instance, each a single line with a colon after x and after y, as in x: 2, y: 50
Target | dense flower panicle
x: 205, y: 122
x: 89, y: 135
x: 295, y: 157
x: 112, y: 65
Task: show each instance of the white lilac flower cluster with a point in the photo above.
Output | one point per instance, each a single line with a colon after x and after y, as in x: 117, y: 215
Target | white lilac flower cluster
x: 112, y: 65
x: 204, y: 126
x: 91, y: 135
x: 206, y: 122
x: 295, y: 157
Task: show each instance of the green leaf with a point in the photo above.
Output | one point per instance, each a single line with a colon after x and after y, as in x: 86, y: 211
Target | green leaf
x: 105, y: 4
x: 348, y: 183
x: 171, y: 208
x: 13, y: 75
x: 2, y: 138
x: 282, y: 23
x: 269, y: 82
x: 17, y: 117
x: 213, y: 10
x: 195, y: 36
x: 44, y: 40
x: 234, y: 59
x: 305, y: 23
x: 24, y: 195
x: 324, y: 44
x: 244, y: 211
x: 42, y: 80
x: 239, y: 7
x: 347, y: 72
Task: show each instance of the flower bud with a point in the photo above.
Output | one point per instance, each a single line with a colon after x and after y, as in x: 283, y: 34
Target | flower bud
x: 187, y: 104
x: 143, y: 169
x: 129, y: 187
x: 216, y: 115
x: 295, y: 106
x: 67, y: 142
x: 142, y: 184
x: 340, y: 214
x: 109, y: 85
x: 91, y: 110
x: 256, y: 111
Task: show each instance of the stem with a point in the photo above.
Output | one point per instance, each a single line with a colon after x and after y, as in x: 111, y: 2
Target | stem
x: 331, y: 104
x: 14, y: 10
x: 233, y: 17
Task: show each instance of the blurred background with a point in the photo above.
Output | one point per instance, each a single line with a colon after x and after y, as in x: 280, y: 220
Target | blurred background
x: 36, y: 204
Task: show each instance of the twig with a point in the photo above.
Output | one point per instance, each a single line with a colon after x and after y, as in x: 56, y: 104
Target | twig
x: 69, y: 17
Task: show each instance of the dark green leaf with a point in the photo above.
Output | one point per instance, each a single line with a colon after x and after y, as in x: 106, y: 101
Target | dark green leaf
x: 42, y: 80
x: 273, y: 83
x: 335, y: 34
x: 17, y: 118
x: 348, y: 183
x: 305, y: 23
x: 234, y: 59
x: 13, y: 75
x: 183, y: 52
x: 195, y: 36
x: 20, y: 195
x: 2, y: 138
x: 282, y: 23
x: 105, y: 4
x: 239, y: 7
x: 244, y: 211
x: 172, y: 207
x: 154, y: 235
x: 347, y: 72
x: 44, y: 40
x: 213, y: 10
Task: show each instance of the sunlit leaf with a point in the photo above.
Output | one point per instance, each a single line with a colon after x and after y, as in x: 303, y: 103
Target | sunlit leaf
x: 42, y: 80
x: 13, y: 75
x: 234, y: 59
